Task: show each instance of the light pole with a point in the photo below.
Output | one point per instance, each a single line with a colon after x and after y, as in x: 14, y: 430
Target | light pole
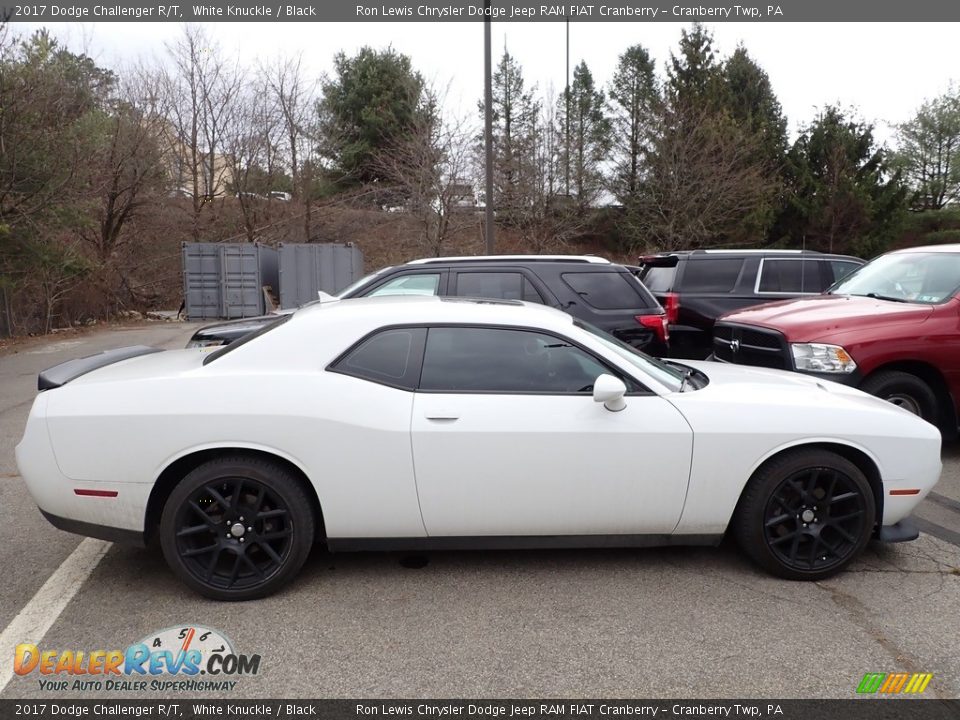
x: 488, y: 128
x: 566, y: 121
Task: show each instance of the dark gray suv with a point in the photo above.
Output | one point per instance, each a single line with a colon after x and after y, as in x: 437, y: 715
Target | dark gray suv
x: 698, y: 286
x: 590, y: 288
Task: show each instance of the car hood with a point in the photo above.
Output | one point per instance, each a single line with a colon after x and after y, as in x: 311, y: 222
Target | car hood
x: 779, y: 398
x: 813, y: 318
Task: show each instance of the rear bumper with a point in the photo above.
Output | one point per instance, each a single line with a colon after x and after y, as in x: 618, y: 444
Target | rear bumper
x: 102, y: 532
x: 903, y: 531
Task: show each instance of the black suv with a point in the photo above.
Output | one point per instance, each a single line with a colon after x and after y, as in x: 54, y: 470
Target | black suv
x: 590, y: 288
x: 698, y: 286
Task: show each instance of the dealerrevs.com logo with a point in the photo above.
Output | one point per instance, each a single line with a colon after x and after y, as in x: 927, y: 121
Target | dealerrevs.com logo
x: 894, y: 683
x: 188, y: 658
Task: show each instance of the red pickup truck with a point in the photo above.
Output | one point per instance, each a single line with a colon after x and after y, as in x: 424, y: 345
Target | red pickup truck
x: 891, y: 328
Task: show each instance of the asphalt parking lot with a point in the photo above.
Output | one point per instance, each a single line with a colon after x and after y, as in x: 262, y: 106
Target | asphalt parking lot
x: 623, y: 623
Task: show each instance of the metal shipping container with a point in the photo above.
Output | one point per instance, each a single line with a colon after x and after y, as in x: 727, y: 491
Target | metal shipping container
x: 225, y: 280
x: 307, y: 268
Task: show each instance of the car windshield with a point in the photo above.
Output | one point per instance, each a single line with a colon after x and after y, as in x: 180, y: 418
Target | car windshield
x: 660, y: 371
x: 915, y: 277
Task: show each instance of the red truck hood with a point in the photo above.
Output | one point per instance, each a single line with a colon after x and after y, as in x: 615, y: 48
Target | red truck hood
x: 814, y: 318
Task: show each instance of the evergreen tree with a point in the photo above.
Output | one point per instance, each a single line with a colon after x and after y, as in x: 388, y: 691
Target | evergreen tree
x: 633, y: 98
x: 843, y: 196
x: 373, y: 99
x: 514, y: 113
x: 588, y: 143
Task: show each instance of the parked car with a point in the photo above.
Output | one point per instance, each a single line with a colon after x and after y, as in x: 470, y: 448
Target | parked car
x: 890, y: 329
x: 445, y: 423
x: 587, y: 287
x: 696, y: 287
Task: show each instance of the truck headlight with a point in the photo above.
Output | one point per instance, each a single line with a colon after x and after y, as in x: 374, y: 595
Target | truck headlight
x: 205, y: 343
x: 818, y: 357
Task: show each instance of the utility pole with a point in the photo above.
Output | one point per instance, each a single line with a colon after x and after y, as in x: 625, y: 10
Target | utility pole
x: 488, y: 127
x: 566, y: 121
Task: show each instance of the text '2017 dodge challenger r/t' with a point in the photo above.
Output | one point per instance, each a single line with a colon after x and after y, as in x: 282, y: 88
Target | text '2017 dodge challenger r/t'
x: 418, y: 423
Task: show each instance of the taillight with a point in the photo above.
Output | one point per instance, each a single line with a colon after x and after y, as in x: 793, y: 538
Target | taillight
x: 657, y: 323
x: 672, y: 306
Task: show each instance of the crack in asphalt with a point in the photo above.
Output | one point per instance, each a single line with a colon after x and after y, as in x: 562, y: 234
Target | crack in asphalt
x: 859, y: 615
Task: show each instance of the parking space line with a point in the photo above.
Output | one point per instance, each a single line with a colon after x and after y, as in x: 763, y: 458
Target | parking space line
x: 944, y: 501
x: 938, y: 531
x: 43, y: 609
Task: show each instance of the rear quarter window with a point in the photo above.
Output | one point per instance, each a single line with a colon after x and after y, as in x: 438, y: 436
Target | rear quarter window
x: 659, y: 279
x: 610, y: 290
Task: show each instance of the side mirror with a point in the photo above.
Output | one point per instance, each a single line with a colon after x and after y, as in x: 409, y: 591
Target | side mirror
x: 610, y: 391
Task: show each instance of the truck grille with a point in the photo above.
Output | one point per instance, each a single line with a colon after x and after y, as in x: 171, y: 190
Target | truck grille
x: 750, y: 346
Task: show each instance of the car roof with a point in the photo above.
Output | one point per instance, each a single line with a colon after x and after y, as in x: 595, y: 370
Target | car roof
x: 593, y: 259
x: 402, y: 309
x: 702, y: 254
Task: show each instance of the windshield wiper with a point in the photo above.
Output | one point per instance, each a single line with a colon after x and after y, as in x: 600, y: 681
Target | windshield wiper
x: 878, y: 296
x: 687, y: 374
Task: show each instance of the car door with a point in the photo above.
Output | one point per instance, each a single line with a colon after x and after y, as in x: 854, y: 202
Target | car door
x: 507, y: 441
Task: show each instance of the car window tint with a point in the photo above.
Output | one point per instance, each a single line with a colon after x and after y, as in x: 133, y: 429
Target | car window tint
x: 712, y: 275
x: 385, y: 357
x: 842, y: 268
x: 420, y: 284
x: 507, y: 361
x: 658, y: 279
x: 608, y: 290
x: 789, y: 275
x: 497, y: 285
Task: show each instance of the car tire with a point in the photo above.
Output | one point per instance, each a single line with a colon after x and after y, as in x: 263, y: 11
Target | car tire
x: 805, y: 515
x: 905, y: 390
x: 237, y: 528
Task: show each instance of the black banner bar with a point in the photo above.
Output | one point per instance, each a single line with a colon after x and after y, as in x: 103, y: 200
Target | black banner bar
x: 473, y: 10
x: 556, y: 709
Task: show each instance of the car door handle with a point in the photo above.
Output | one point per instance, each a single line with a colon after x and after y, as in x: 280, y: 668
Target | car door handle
x: 442, y: 415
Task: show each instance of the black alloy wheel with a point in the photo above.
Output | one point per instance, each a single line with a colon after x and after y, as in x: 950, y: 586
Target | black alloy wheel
x: 806, y: 515
x: 237, y: 528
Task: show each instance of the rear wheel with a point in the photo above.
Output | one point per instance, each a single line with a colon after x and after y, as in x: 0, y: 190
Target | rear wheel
x: 237, y: 528
x: 904, y: 390
x: 805, y: 515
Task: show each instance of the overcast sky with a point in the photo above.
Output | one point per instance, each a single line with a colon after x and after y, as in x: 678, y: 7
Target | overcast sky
x: 884, y: 69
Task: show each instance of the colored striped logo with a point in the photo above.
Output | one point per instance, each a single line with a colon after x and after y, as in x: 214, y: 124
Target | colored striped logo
x: 894, y: 683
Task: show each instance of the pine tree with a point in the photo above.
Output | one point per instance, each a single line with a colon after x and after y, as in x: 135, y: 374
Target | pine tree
x: 633, y: 98
x: 588, y: 143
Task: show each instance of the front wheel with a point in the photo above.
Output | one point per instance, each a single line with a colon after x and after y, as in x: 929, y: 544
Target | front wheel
x: 805, y: 515
x: 237, y: 528
x: 904, y: 390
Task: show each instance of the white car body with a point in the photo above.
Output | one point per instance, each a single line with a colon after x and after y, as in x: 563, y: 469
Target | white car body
x: 388, y: 463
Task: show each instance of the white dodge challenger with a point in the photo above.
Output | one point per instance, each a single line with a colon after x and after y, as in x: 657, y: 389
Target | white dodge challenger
x: 420, y: 423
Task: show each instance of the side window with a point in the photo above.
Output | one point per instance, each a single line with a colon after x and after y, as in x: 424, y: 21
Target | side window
x: 498, y: 285
x: 391, y: 357
x: 472, y: 359
x: 718, y: 275
x: 841, y: 268
x: 421, y: 284
x: 789, y: 275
